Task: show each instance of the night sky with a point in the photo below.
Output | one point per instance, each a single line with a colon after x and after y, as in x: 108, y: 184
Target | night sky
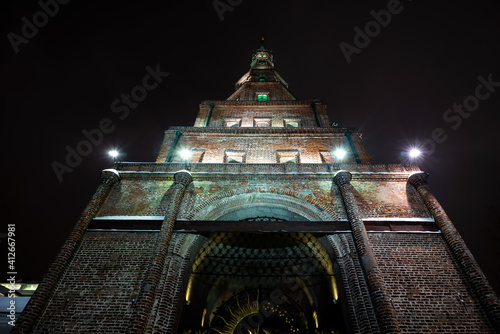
x: 396, y: 88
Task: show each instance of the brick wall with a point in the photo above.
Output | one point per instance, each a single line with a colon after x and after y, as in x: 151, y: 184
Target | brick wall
x: 263, y: 149
x: 277, y: 114
x: 275, y: 91
x: 424, y: 284
x: 137, y: 198
x: 388, y: 198
x: 100, y: 284
x: 277, y: 111
x: 260, y: 145
x: 377, y: 195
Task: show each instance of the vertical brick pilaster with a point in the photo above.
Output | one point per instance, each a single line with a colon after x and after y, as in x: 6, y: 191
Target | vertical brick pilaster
x: 40, y: 299
x: 475, y: 278
x: 381, y: 300
x: 148, y: 289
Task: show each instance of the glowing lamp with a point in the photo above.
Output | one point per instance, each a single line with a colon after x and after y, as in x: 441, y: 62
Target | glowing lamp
x: 340, y: 153
x: 414, y: 153
x: 186, y: 154
x: 113, y: 153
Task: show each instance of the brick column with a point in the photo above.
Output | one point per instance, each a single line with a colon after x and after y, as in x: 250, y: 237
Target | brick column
x: 473, y: 275
x: 40, y: 299
x: 386, y: 315
x: 148, y: 289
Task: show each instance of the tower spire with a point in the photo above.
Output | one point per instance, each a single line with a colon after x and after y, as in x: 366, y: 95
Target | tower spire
x: 262, y: 47
x: 261, y: 81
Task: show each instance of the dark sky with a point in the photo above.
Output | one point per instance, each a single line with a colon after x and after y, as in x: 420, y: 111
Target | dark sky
x: 396, y: 89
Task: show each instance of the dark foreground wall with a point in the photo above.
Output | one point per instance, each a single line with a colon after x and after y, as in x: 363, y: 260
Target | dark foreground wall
x: 425, y: 285
x: 97, y: 293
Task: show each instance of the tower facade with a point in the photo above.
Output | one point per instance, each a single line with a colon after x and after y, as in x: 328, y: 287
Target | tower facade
x: 263, y: 218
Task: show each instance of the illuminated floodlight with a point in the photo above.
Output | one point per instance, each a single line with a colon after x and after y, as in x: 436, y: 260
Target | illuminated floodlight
x: 186, y: 154
x: 340, y: 153
x: 414, y: 153
x: 113, y: 153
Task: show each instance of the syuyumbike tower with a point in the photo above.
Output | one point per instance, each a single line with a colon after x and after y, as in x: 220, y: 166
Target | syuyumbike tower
x: 253, y: 221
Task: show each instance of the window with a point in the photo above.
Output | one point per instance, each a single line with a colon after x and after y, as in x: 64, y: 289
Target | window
x: 262, y: 78
x: 288, y: 156
x: 262, y: 122
x: 234, y: 157
x: 262, y: 97
x: 232, y: 122
x: 291, y: 123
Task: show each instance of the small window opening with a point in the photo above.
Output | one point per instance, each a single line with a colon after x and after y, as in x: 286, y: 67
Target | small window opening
x: 291, y: 123
x: 232, y: 157
x: 288, y: 156
x: 232, y: 122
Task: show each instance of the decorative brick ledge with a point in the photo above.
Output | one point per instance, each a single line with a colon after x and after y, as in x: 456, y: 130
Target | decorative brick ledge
x: 323, y: 227
x: 261, y: 103
x: 358, y: 171
x: 186, y: 130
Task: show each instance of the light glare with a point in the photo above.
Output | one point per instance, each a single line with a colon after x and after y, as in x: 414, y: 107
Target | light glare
x: 186, y: 154
x: 340, y: 153
x: 113, y: 153
x: 414, y: 153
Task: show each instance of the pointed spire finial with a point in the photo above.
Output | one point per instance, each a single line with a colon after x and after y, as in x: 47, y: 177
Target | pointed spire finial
x: 262, y: 47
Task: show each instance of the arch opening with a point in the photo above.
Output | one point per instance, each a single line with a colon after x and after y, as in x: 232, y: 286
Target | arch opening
x: 262, y: 283
x: 239, y: 206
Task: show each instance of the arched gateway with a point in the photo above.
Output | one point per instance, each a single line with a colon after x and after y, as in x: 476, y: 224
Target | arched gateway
x: 261, y: 282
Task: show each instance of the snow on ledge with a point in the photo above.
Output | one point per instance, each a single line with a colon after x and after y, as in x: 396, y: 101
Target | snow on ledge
x: 130, y: 218
x: 373, y: 219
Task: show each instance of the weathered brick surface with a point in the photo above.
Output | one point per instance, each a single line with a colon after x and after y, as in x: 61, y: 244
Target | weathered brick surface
x: 98, y: 291
x: 388, y: 198
x: 152, y: 278
x: 424, y: 284
x: 278, y: 113
x: 479, y: 285
x: 169, y: 299
x: 376, y: 285
x: 260, y: 146
x: 274, y: 91
x: 354, y: 289
x: 137, y: 198
x: 147, y: 194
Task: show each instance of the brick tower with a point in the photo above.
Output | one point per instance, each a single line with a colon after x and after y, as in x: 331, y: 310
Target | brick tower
x: 263, y: 218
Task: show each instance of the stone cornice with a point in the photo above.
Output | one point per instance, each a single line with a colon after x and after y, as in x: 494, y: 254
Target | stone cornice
x: 186, y: 130
x: 260, y: 103
x: 215, y: 171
